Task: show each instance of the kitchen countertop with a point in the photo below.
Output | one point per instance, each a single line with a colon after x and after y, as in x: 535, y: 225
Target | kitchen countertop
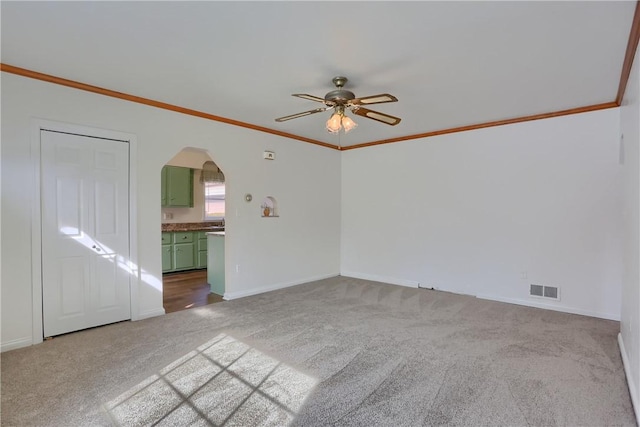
x: 193, y: 226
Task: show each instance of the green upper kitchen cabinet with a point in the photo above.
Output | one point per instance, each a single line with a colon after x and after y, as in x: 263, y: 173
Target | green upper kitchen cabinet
x: 177, y: 187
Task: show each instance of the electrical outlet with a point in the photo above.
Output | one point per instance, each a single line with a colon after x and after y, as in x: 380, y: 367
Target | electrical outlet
x: 269, y: 155
x: 237, y: 268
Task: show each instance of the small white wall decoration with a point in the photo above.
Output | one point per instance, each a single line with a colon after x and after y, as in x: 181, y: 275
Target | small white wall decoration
x: 269, y: 207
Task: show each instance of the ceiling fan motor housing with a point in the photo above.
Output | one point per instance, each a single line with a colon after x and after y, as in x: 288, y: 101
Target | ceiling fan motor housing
x: 339, y: 97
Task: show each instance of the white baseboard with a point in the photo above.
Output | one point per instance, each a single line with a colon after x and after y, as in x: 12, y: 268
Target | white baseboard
x: 555, y: 307
x: 151, y: 313
x: 255, y: 291
x: 536, y: 304
x: 633, y: 391
x: 382, y: 279
x: 17, y: 343
x: 28, y: 341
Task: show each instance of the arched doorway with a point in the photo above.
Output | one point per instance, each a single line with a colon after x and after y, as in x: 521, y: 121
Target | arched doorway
x: 193, y: 202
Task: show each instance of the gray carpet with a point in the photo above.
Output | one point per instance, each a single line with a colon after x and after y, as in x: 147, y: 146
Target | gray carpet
x: 334, y: 352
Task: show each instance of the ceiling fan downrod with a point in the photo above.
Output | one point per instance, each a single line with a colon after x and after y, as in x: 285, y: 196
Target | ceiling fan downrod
x: 339, y: 82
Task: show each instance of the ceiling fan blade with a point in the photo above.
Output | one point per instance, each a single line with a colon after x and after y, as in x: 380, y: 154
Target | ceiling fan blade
x: 381, y: 117
x: 374, y: 99
x: 309, y: 97
x: 305, y: 113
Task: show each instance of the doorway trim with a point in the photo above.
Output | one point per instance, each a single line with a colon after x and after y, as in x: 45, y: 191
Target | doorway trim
x: 38, y: 125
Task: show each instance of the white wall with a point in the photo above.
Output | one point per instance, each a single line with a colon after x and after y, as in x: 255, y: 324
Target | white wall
x: 630, y: 322
x: 190, y: 157
x: 301, y: 245
x: 472, y: 212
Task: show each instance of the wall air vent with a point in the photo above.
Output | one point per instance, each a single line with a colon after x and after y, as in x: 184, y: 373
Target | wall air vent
x: 551, y: 292
x: 548, y: 292
x: 536, y: 290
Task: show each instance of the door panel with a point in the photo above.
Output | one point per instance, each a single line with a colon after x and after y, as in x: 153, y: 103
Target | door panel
x: 163, y: 186
x: 85, y: 232
x: 106, y: 218
x: 202, y: 259
x: 69, y: 214
x: 183, y: 256
x: 73, y: 275
x: 106, y: 278
x: 179, y: 186
x: 167, y: 258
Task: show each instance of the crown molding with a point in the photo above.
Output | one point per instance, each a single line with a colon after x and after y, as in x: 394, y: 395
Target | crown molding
x: 145, y: 101
x: 632, y: 46
x: 487, y: 125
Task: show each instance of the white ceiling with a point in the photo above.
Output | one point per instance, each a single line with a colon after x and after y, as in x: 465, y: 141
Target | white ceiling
x: 449, y: 63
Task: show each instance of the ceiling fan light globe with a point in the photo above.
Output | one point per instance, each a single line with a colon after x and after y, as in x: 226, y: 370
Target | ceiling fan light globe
x: 333, y: 124
x: 348, y: 124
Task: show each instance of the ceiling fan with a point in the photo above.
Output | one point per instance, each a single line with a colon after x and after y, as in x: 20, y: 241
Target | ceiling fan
x: 341, y: 99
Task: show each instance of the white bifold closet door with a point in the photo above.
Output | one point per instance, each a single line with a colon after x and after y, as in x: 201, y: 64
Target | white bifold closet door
x: 85, y: 232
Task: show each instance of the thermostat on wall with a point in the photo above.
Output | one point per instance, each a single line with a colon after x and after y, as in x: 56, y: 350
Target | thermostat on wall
x: 269, y: 155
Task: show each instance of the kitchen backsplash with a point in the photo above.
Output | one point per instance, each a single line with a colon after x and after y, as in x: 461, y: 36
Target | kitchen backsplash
x: 182, y: 215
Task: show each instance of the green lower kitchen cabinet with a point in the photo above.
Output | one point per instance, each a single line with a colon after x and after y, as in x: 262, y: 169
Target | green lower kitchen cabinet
x: 167, y: 252
x: 167, y: 258
x: 183, y: 256
x: 182, y: 251
x: 202, y: 249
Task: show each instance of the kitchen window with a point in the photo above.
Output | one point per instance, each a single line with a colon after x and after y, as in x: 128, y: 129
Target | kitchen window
x: 214, y: 200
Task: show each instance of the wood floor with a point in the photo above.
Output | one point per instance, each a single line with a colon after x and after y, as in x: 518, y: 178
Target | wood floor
x: 186, y: 290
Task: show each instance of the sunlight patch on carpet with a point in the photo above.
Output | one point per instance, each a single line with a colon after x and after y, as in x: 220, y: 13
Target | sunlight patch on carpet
x: 222, y: 382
